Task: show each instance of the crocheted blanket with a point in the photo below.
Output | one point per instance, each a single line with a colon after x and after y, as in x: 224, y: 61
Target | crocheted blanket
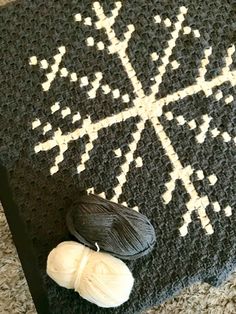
x: 133, y: 101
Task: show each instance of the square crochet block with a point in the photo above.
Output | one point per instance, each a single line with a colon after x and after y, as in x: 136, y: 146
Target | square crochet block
x: 133, y: 101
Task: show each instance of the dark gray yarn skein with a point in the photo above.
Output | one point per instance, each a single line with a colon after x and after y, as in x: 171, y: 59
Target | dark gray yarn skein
x: 116, y: 229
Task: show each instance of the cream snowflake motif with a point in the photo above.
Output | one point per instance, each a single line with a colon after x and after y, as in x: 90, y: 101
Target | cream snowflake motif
x: 144, y: 106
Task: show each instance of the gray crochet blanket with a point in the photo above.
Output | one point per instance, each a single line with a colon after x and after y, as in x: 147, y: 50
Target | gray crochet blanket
x: 133, y: 101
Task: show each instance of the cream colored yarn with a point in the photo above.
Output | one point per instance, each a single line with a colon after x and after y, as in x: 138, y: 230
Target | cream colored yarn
x: 98, y: 277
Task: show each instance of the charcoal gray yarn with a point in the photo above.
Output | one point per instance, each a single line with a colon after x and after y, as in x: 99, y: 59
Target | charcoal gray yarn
x: 111, y: 227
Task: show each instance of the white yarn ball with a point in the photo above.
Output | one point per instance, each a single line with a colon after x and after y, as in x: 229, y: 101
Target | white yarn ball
x: 98, y: 277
